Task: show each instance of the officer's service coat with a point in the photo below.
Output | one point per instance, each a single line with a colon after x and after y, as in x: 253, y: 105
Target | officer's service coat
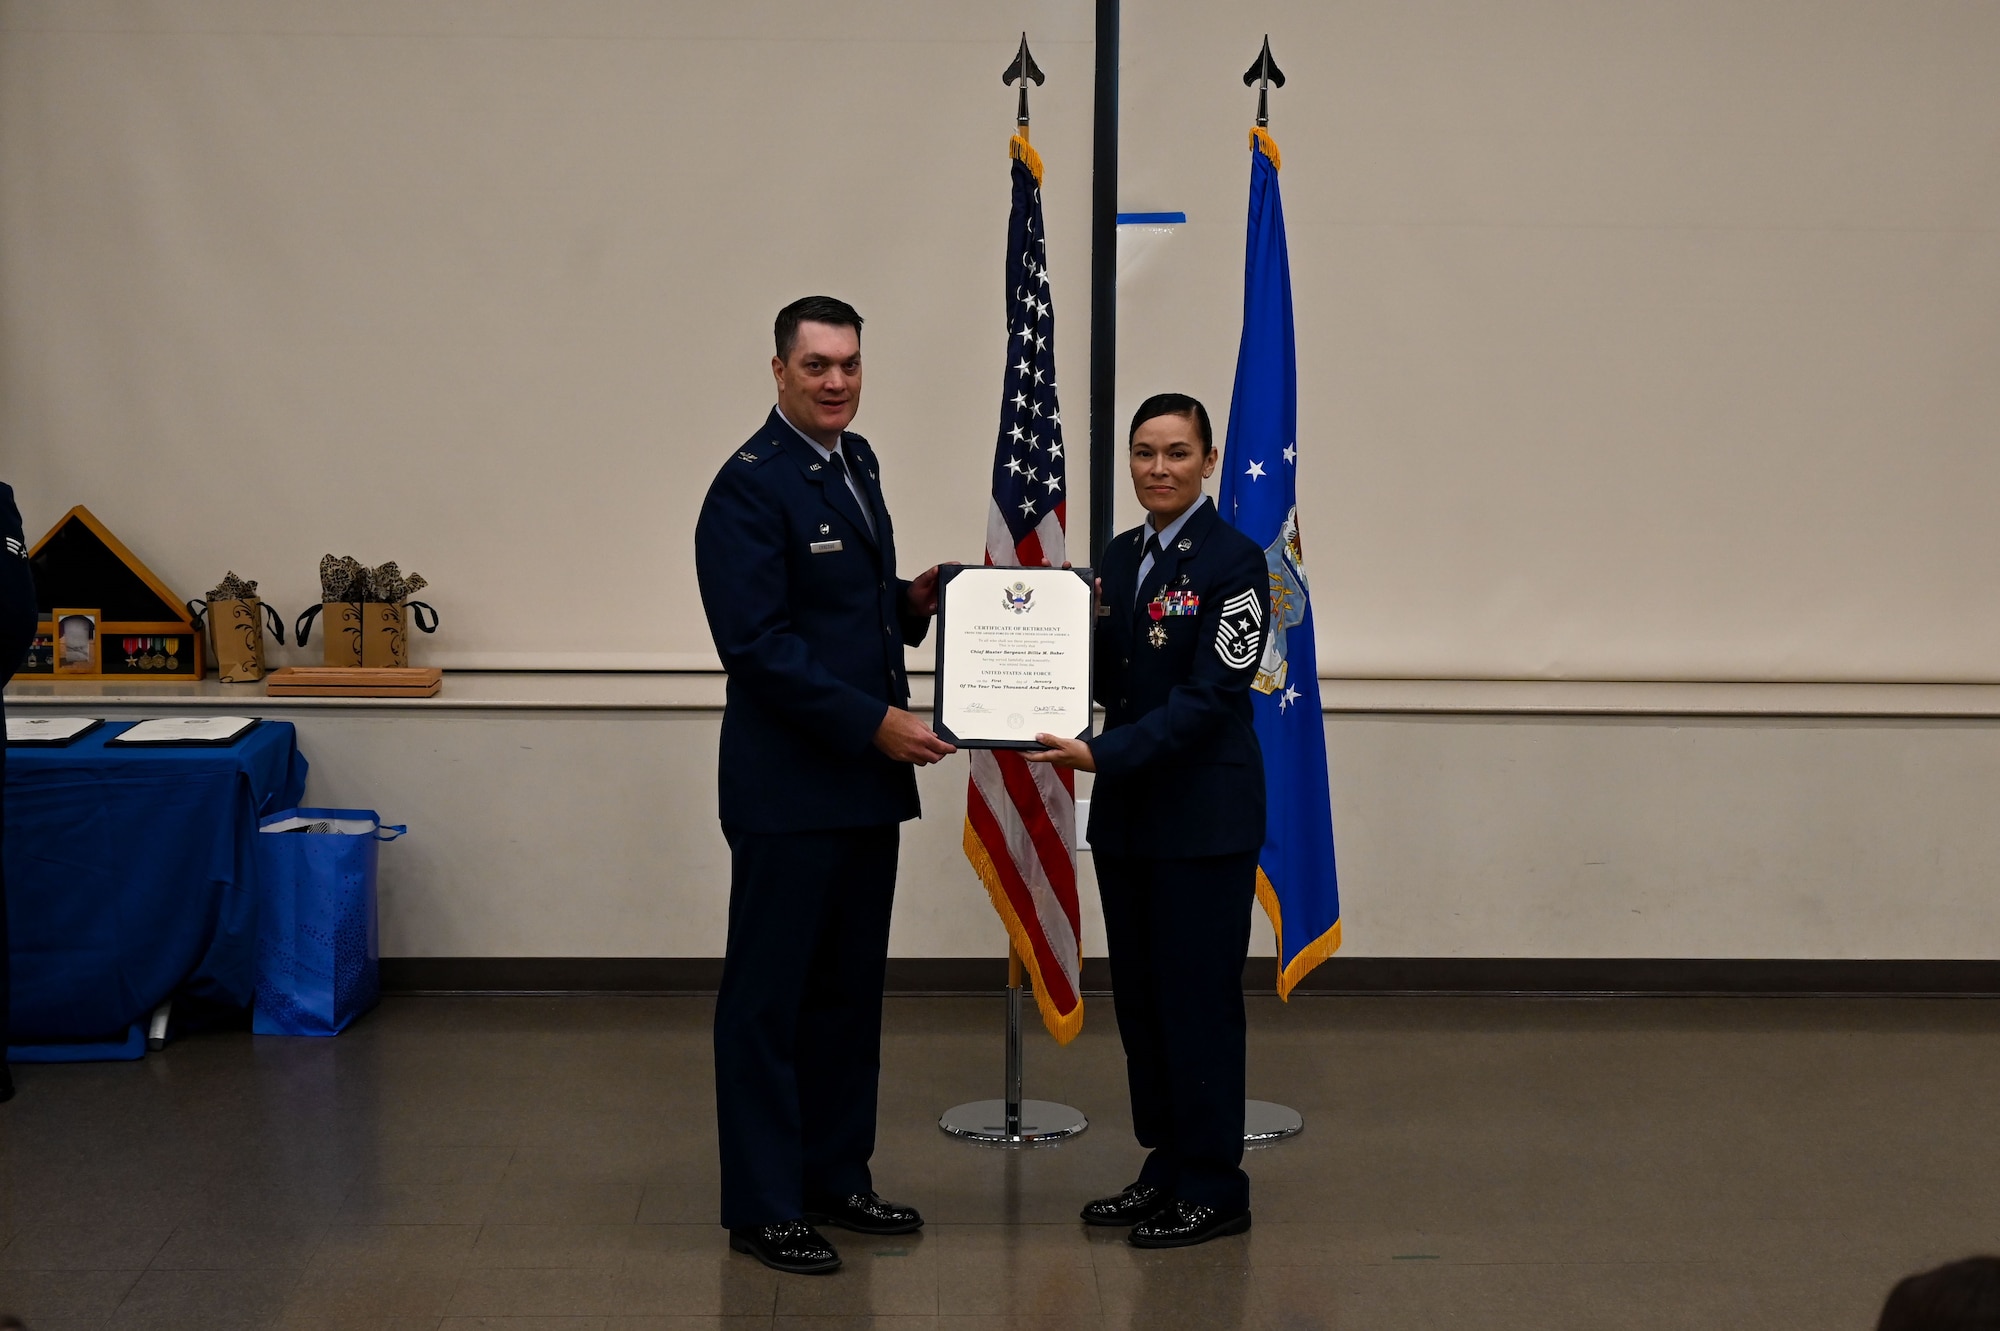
x: 18, y: 615
x: 1179, y: 771
x: 807, y: 614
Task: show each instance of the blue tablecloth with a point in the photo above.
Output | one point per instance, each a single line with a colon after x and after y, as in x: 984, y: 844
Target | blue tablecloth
x: 132, y: 876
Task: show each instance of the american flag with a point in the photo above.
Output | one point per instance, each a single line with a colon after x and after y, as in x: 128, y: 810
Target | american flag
x: 1020, y: 817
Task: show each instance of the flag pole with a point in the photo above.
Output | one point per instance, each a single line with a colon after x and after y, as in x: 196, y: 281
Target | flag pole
x: 1013, y: 1120
x: 1265, y: 1121
x: 1013, y: 1112
x: 1104, y: 441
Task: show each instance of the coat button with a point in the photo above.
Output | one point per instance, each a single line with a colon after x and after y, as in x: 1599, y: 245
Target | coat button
x: 1124, y: 702
x: 886, y: 629
x: 1128, y: 662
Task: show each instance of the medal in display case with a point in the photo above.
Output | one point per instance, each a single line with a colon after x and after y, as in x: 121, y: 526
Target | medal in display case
x: 103, y: 613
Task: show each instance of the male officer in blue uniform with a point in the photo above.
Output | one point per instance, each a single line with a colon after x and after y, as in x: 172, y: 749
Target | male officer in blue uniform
x: 796, y: 558
x: 18, y: 617
x: 1176, y: 822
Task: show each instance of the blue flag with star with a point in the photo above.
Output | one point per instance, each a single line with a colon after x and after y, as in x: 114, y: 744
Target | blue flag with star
x: 1295, y: 871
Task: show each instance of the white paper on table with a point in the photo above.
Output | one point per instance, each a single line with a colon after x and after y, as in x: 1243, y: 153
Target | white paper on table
x: 28, y: 729
x: 180, y: 729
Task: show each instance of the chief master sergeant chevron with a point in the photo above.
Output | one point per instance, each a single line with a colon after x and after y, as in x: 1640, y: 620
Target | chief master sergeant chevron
x: 796, y: 558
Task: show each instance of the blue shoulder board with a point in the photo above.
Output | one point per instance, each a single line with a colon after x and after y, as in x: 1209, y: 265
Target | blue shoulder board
x: 757, y: 451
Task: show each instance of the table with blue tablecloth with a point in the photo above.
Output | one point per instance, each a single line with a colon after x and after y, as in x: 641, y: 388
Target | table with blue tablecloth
x: 132, y: 877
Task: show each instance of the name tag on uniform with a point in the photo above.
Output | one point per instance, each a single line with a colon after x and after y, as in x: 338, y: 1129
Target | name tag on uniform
x: 824, y: 547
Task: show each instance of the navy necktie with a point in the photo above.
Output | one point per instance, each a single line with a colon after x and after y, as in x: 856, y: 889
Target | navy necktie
x: 839, y: 464
x: 1150, y: 560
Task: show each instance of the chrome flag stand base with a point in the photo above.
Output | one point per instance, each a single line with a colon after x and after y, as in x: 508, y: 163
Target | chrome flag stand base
x: 1034, y: 1122
x: 1265, y: 1123
x: 1013, y: 1121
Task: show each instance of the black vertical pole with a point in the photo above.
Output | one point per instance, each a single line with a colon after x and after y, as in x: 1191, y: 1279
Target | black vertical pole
x: 1104, y: 441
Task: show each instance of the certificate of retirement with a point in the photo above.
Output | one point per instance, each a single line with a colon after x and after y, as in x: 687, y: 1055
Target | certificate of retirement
x: 1013, y: 655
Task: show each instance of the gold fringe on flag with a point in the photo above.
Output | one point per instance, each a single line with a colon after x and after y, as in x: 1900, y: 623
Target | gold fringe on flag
x: 1309, y: 956
x: 1064, y: 1026
x: 1260, y: 139
x: 1022, y: 151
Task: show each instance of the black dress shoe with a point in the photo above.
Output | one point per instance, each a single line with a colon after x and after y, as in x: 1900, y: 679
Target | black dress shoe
x: 865, y: 1213
x: 792, y: 1246
x: 1184, y: 1224
x: 1139, y: 1202
x: 6, y: 1084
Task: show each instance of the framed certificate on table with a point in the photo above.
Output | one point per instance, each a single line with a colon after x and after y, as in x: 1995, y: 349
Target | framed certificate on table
x: 1013, y: 655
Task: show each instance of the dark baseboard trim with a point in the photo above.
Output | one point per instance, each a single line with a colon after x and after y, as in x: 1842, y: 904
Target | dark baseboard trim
x: 1641, y: 976
x: 1536, y: 976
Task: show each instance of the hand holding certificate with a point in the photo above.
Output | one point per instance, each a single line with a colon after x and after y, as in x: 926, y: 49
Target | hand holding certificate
x: 1013, y: 655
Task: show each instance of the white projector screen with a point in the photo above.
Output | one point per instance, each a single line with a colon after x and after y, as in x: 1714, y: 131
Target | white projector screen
x: 487, y: 288
x: 1636, y: 340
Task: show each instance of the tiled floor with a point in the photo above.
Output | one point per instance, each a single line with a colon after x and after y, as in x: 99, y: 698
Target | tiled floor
x: 545, y: 1164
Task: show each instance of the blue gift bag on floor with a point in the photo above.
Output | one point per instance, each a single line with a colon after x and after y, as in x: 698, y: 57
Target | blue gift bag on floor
x: 318, y: 959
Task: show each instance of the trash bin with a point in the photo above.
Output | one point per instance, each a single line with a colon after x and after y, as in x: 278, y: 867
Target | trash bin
x: 318, y: 958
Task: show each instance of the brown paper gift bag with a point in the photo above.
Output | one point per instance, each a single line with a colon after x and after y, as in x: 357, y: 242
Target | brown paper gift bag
x: 342, y: 646
x: 385, y: 634
x: 385, y: 631
x: 236, y: 637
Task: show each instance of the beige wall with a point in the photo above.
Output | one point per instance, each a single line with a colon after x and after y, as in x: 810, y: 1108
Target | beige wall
x: 487, y: 288
x: 1458, y: 836
x: 1649, y: 341
x: 544, y: 831
x: 1636, y: 340
x: 1643, y: 341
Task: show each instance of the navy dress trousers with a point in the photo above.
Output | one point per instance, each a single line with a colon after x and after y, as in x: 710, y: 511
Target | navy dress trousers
x: 799, y: 585
x: 1176, y: 822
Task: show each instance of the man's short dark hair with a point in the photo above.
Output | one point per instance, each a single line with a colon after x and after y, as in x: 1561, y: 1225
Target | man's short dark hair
x: 1960, y: 1296
x: 1174, y: 404
x: 813, y: 310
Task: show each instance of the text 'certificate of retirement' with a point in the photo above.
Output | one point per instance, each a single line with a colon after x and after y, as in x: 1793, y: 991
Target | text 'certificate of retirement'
x: 1013, y: 656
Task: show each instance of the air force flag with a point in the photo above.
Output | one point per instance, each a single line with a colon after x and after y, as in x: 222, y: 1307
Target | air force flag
x: 1295, y: 874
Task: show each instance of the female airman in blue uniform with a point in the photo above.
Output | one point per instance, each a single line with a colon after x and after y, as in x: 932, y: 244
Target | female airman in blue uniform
x: 1176, y: 820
